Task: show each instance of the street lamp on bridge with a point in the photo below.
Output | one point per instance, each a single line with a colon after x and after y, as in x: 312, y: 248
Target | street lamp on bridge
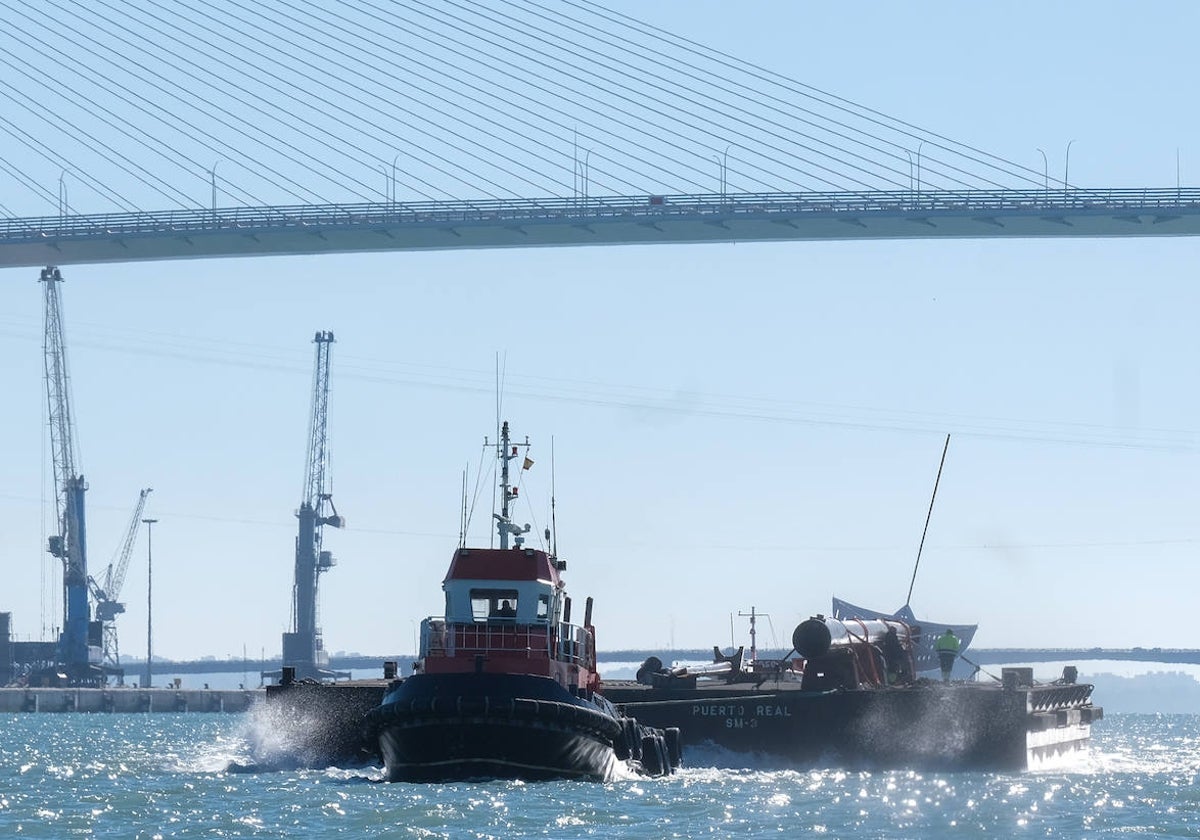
x: 1046, y: 175
x: 1067, y: 171
x: 723, y: 170
x: 394, y: 160
x: 62, y: 196
x: 920, y: 146
x: 212, y: 174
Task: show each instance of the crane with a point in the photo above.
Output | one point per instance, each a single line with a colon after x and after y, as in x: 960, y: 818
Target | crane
x: 70, y: 543
x: 303, y: 648
x: 108, y: 607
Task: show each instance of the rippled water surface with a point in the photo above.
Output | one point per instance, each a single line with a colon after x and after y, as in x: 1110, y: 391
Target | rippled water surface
x: 149, y: 776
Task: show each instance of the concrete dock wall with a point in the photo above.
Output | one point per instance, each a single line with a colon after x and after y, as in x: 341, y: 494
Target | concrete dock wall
x: 13, y: 700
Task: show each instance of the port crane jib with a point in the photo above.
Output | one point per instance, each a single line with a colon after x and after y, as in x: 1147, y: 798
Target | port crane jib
x: 303, y: 647
x: 75, y: 651
x: 86, y: 651
x: 107, y: 597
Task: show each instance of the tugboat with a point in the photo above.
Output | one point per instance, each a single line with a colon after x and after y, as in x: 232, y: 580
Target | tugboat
x: 505, y: 686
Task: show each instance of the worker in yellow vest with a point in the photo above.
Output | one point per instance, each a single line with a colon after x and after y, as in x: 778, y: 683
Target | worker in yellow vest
x: 947, y: 646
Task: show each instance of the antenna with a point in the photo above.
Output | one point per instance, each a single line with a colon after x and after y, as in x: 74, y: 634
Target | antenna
x: 553, y: 523
x: 462, y: 525
x: 937, y: 481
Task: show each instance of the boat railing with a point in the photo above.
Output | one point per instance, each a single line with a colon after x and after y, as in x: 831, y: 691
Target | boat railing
x: 450, y: 639
x: 574, y: 645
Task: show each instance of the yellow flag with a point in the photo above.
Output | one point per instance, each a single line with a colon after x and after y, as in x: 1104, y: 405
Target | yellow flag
x: 528, y: 463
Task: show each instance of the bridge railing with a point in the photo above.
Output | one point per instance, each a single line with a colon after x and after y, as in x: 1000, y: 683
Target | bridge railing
x: 581, y: 210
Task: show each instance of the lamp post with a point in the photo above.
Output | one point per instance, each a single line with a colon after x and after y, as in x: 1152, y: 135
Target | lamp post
x: 920, y: 146
x: 149, y: 599
x: 1067, y: 171
x: 62, y: 195
x: 394, y: 160
x: 212, y: 174
x: 910, y: 171
x: 1046, y: 175
x: 587, y: 174
x: 723, y: 170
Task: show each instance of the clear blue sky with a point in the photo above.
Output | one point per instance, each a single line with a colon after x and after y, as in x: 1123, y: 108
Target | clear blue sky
x: 735, y: 425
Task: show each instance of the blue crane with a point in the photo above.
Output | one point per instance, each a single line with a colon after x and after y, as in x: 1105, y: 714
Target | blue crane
x: 106, y: 596
x: 303, y: 648
x: 78, y: 648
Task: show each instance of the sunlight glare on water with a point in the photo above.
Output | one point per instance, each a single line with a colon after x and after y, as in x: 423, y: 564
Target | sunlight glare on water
x: 164, y: 776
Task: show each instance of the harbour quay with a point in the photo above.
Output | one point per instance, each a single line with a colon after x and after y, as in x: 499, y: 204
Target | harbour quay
x: 125, y: 700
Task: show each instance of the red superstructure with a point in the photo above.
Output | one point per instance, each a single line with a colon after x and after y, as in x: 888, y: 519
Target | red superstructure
x: 507, y: 612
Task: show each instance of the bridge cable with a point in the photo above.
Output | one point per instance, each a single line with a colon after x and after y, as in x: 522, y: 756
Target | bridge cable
x: 575, y: 92
x: 798, y: 87
x: 540, y: 82
x: 306, y: 101
x: 236, y: 152
x: 761, y: 99
x: 518, y: 116
x: 405, y: 85
x: 66, y: 93
x: 737, y: 114
x: 809, y: 91
x: 48, y: 153
x: 542, y: 106
x: 358, y: 117
x: 455, y: 133
x: 29, y: 183
x: 149, y: 72
x: 149, y: 107
x: 468, y: 29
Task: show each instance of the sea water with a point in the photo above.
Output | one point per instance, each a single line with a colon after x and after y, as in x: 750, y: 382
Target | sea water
x: 163, y: 776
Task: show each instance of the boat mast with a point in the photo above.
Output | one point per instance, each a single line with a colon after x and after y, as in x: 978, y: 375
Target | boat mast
x: 753, y: 615
x: 504, y: 524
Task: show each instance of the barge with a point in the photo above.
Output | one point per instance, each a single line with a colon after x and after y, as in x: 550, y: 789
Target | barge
x: 835, y: 705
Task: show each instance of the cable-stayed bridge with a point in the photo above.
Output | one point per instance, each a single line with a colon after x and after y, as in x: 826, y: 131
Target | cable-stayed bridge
x: 140, y: 129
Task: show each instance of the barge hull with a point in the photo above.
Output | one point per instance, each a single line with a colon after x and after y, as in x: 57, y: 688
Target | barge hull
x: 932, y: 726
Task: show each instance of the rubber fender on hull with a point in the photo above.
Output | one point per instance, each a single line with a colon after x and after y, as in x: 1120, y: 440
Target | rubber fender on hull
x: 674, y: 743
x: 633, y: 737
x: 652, y: 757
x: 621, y: 746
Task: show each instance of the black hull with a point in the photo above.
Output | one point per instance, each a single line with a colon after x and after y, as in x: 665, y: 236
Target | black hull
x: 465, y: 749
x: 438, y: 728
x: 933, y: 726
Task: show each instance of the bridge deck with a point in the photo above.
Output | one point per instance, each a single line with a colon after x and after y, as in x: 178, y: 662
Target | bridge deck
x: 611, y: 220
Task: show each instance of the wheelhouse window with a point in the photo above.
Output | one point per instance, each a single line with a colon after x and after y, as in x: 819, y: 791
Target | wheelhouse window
x: 543, y: 608
x: 493, y: 604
